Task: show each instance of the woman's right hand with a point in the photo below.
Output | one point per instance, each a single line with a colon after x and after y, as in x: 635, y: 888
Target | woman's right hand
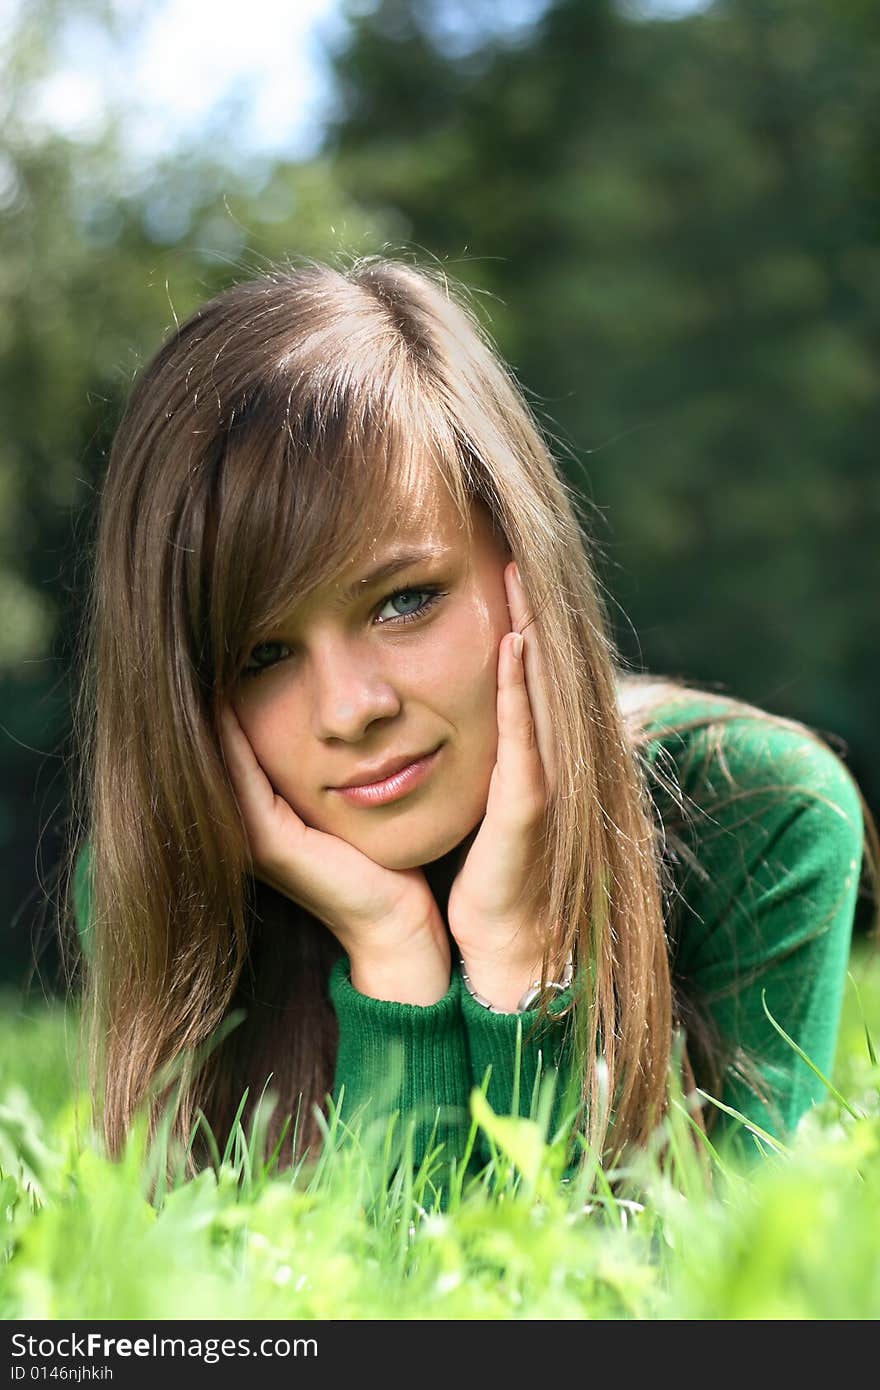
x: 387, y: 920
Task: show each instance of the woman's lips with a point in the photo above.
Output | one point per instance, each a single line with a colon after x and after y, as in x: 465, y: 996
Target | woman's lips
x: 391, y: 788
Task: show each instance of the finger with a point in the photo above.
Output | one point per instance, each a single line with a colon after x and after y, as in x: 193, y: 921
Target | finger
x: 258, y: 802
x: 533, y: 665
x: 521, y: 777
x: 517, y: 603
x: 248, y: 777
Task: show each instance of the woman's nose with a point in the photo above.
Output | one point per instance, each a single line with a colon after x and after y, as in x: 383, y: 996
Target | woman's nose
x: 349, y: 691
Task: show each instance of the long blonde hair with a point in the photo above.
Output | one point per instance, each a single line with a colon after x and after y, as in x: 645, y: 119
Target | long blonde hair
x: 283, y: 422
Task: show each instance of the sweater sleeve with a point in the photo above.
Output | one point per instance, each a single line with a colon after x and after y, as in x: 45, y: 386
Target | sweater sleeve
x: 765, y: 909
x: 768, y: 912
x: 518, y: 1062
x: 403, y: 1057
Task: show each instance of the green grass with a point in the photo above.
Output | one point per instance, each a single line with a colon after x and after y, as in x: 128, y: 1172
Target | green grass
x: 793, y: 1236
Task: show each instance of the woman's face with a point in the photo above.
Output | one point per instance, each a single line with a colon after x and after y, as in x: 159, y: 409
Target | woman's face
x: 373, y: 670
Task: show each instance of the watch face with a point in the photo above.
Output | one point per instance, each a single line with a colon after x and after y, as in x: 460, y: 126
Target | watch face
x: 532, y: 996
x: 529, y: 999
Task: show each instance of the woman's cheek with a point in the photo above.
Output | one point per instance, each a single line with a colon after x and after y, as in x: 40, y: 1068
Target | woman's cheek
x: 282, y: 759
x: 476, y: 717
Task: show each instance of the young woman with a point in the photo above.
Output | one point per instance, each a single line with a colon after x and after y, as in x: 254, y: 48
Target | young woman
x: 359, y: 760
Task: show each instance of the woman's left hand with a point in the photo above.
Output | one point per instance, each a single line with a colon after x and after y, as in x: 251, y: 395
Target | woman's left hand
x: 493, y: 912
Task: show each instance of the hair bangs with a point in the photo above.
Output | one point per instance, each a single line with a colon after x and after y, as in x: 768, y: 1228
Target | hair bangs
x: 308, y: 487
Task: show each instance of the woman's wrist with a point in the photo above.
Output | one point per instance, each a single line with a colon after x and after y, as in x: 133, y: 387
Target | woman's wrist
x: 499, y: 979
x: 531, y: 998
x: 420, y: 976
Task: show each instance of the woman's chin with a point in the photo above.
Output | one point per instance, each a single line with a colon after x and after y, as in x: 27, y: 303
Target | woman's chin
x: 401, y: 853
x: 403, y: 857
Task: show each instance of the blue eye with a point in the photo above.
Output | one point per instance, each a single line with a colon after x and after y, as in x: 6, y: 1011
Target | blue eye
x: 407, y: 595
x: 416, y: 602
x: 258, y: 670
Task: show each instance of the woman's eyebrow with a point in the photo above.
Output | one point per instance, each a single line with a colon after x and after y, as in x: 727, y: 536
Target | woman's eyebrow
x: 399, y: 560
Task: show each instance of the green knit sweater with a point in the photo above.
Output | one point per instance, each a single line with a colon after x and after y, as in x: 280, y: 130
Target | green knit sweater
x: 766, y: 877
x: 765, y: 888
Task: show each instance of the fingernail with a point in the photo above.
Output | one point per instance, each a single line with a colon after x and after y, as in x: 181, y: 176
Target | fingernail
x: 517, y: 645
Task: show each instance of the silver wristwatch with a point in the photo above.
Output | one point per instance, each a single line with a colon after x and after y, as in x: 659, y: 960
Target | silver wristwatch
x: 532, y: 995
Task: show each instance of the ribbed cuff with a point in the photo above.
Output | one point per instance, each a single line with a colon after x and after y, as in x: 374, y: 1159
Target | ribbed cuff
x: 492, y: 1041
x: 407, y: 1057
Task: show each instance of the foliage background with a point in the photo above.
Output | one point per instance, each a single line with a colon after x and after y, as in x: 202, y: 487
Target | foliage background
x: 670, y: 227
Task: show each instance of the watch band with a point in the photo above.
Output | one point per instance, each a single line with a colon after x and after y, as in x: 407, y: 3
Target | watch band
x: 532, y: 995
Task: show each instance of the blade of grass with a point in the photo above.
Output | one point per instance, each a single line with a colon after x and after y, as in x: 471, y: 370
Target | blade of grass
x: 838, y: 1096
x: 747, y: 1123
x: 517, y: 1069
x: 872, y: 1055
x: 202, y: 1121
x: 231, y: 1138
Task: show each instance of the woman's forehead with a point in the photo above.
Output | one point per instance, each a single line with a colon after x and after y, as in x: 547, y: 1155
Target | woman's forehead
x: 425, y: 509
x: 426, y: 520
